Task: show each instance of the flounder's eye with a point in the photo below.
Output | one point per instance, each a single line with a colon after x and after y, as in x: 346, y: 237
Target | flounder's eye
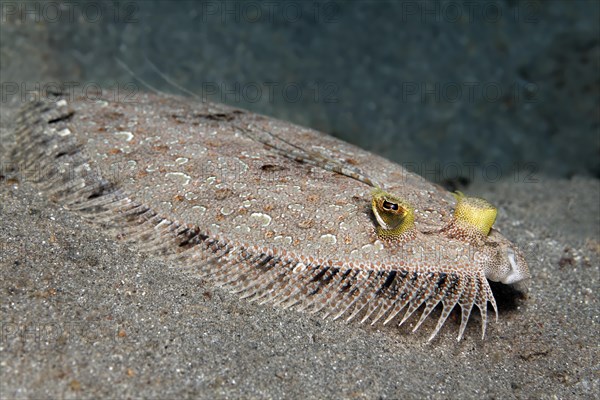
x: 474, y: 213
x: 389, y: 206
x: 394, y: 215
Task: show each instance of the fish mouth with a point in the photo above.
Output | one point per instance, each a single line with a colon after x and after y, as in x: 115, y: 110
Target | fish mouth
x: 518, y: 272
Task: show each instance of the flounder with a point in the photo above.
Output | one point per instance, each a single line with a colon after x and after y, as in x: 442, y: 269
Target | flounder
x: 278, y: 213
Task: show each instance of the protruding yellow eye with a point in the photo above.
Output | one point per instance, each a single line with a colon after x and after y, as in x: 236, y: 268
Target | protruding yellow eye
x: 394, y: 215
x: 474, y: 213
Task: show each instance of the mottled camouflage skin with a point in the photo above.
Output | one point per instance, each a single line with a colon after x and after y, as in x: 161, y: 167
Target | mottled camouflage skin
x: 186, y: 180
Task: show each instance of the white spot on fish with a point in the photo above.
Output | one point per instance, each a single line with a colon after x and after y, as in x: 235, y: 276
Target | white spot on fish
x: 262, y: 219
x: 226, y: 211
x: 328, y: 239
x: 296, y: 207
x: 247, y: 155
x: 287, y: 240
x: 363, y: 274
x: 200, y: 209
x: 367, y: 248
x: 195, y: 149
x: 300, y: 267
x: 239, y: 186
x: 243, y: 228
x: 162, y: 223
x: 127, y: 136
x: 180, y: 176
x: 190, y: 196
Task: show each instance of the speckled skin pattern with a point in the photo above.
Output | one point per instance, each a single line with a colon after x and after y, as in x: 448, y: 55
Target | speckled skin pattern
x: 180, y: 179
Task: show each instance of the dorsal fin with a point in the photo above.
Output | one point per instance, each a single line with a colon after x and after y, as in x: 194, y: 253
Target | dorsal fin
x: 314, y: 158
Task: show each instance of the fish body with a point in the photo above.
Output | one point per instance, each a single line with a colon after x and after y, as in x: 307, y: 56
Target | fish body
x: 278, y: 213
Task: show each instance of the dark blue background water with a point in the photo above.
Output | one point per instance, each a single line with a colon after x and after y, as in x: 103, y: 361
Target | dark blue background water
x: 455, y: 90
